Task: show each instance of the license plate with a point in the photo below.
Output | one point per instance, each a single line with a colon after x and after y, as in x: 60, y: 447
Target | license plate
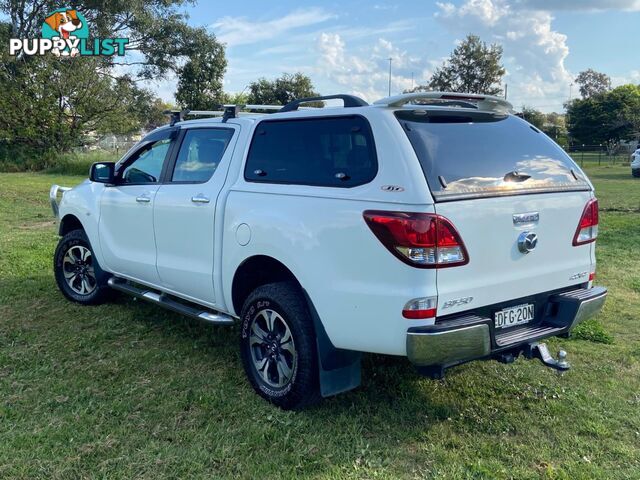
x: 512, y: 316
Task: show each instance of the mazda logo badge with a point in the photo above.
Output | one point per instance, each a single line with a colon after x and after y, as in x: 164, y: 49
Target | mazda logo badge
x: 527, y: 242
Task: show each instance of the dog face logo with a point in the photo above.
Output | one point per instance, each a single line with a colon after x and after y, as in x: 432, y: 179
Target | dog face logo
x: 68, y: 25
x: 64, y: 22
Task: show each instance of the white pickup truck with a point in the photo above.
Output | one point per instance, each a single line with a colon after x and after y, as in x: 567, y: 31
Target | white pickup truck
x: 435, y: 226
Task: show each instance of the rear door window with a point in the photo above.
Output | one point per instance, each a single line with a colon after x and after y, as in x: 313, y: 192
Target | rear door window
x: 479, y: 154
x: 327, y: 151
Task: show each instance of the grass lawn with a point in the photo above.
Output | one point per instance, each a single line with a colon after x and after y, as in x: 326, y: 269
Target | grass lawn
x: 129, y: 390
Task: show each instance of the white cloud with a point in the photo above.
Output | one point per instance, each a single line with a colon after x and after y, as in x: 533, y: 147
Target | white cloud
x: 534, y: 53
x: 580, y: 5
x: 243, y: 31
x: 367, y: 74
x: 632, y: 77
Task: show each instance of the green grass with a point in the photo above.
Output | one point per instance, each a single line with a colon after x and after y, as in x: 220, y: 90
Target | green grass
x: 69, y: 163
x: 79, y: 163
x: 129, y: 390
x: 600, y: 158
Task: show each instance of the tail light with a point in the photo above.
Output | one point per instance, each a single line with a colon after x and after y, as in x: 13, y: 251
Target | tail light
x: 423, y: 240
x: 587, y: 230
x: 419, y: 308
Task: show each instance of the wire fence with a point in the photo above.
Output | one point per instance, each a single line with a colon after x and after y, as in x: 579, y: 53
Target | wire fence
x: 599, y: 155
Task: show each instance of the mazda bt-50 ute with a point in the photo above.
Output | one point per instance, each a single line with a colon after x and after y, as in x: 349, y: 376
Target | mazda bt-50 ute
x: 434, y: 226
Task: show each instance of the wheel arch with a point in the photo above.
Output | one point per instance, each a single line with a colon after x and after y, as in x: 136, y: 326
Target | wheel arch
x: 255, y: 271
x: 68, y: 223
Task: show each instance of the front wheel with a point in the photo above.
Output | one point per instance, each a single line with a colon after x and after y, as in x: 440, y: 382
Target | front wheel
x: 78, y: 275
x: 278, y: 346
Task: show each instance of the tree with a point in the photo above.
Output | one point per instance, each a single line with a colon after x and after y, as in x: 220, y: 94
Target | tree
x: 606, y: 118
x: 200, y: 79
x: 282, y: 90
x: 157, y: 31
x: 534, y: 117
x: 592, y: 83
x: 49, y: 103
x: 239, y: 98
x: 555, y: 126
x: 473, y: 67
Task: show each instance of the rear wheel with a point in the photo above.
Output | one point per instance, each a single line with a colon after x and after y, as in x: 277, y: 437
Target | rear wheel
x: 77, y: 273
x: 278, y: 346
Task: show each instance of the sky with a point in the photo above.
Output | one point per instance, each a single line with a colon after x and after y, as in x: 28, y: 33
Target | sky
x: 345, y: 46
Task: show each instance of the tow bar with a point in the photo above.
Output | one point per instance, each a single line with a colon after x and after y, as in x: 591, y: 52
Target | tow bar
x: 541, y: 351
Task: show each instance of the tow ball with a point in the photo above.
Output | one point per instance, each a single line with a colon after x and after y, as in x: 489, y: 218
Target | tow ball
x: 541, y: 351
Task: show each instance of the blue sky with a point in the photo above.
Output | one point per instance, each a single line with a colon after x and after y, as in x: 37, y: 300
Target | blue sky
x: 345, y: 46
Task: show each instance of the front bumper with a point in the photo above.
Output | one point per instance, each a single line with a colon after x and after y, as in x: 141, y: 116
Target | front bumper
x: 472, y: 336
x: 53, y: 198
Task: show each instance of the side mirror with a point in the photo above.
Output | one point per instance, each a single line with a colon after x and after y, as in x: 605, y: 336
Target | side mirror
x: 102, y: 172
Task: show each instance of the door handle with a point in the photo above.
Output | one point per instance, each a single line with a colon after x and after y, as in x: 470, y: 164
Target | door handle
x: 143, y: 199
x: 200, y: 199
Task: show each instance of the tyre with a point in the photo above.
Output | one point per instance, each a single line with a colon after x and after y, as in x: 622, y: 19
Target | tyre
x: 77, y: 273
x: 278, y: 346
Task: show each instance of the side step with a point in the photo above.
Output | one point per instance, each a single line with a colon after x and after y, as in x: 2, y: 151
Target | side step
x: 167, y: 302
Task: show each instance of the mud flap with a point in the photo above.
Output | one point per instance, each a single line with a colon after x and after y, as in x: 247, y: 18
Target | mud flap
x: 339, y: 370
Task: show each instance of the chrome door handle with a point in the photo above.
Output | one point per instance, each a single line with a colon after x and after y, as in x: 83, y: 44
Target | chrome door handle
x: 143, y: 199
x: 200, y: 199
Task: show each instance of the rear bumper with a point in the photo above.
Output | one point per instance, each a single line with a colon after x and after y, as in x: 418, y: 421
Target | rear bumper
x: 472, y: 336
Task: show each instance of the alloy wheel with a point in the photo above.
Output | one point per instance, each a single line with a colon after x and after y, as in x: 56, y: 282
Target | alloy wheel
x: 273, y: 350
x: 77, y: 267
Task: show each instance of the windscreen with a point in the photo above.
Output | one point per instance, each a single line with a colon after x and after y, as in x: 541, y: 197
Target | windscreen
x: 481, y: 154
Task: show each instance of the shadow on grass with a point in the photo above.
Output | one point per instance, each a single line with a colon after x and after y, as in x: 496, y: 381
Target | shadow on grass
x: 390, y: 392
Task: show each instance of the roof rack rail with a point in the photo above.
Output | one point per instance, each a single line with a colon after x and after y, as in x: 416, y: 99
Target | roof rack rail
x: 349, y: 101
x: 175, y: 115
x: 481, y: 102
x: 226, y: 111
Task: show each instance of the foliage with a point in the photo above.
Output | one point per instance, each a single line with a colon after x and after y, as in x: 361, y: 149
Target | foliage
x: 592, y: 83
x: 473, y: 67
x: 534, y: 117
x: 605, y: 118
x: 72, y: 163
x: 282, y: 90
x: 50, y: 104
x: 157, y: 31
x: 200, y: 79
x: 593, y: 331
x: 553, y: 124
x: 240, y: 98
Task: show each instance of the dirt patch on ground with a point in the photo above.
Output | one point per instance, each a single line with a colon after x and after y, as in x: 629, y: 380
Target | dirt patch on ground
x: 37, y: 225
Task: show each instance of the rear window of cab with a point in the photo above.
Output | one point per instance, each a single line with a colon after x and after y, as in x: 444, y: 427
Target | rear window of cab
x: 471, y: 154
x: 322, y: 151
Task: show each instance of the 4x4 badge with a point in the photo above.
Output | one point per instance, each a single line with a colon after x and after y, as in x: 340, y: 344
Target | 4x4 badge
x: 392, y: 188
